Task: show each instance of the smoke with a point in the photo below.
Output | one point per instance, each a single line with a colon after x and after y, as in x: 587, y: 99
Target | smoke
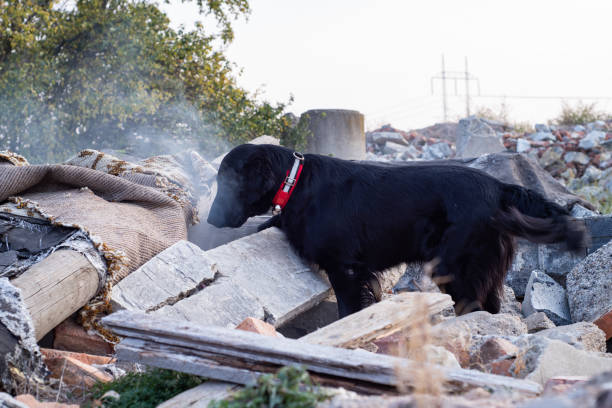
x: 108, y: 91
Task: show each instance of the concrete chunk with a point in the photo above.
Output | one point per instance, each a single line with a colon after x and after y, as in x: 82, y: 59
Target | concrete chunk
x: 256, y: 276
x: 172, y: 273
x: 543, y: 294
x: 589, y: 287
x: 583, y: 335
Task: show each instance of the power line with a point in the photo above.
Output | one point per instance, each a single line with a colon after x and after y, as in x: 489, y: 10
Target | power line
x: 546, y: 97
x: 455, y: 76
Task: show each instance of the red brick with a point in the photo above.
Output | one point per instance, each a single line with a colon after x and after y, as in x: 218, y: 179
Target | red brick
x: 496, y: 348
x: 72, y: 337
x: 501, y: 367
x: 50, y: 354
x: 31, y: 402
x: 257, y: 326
x: 74, y: 372
x: 605, y: 323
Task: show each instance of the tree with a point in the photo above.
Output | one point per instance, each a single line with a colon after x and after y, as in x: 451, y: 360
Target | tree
x: 114, y: 74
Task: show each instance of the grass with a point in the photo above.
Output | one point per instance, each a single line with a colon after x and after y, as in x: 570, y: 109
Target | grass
x: 290, y: 387
x: 144, y: 390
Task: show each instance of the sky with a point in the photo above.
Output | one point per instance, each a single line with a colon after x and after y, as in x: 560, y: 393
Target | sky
x: 378, y: 56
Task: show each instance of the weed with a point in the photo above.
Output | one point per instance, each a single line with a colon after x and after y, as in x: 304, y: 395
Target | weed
x: 290, y: 387
x: 144, y: 390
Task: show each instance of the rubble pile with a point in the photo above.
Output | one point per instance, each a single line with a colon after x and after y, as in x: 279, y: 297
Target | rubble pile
x: 578, y: 156
x: 177, y: 306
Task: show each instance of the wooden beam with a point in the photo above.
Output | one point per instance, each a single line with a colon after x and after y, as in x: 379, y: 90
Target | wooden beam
x: 238, y: 356
x: 56, y: 287
x: 380, y: 319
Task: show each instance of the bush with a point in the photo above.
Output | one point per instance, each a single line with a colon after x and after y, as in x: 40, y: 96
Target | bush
x: 581, y: 114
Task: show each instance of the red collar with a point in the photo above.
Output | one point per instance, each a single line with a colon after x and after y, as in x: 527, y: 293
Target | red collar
x: 287, y: 186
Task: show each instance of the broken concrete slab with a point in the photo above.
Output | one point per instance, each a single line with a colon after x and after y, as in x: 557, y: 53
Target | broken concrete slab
x: 201, y: 396
x: 541, y: 359
x: 582, y: 335
x: 543, y: 294
x: 538, y: 321
x: 475, y: 138
x: 589, y: 287
x: 257, y: 276
x: 174, y: 273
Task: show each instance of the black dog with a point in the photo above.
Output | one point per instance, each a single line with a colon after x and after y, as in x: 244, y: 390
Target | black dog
x: 354, y: 219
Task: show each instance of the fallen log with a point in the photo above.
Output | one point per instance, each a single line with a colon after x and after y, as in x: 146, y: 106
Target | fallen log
x: 380, y: 319
x: 56, y: 287
x: 239, y: 357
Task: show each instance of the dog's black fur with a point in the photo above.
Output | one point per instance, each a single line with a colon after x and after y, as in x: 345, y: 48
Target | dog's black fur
x: 354, y: 219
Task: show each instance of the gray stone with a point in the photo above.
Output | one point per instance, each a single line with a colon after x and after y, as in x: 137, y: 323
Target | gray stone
x: 381, y: 138
x: 543, y: 294
x: 483, y: 324
x: 540, y: 127
x: 551, y: 156
x: 582, y: 335
x: 525, y: 260
x: 579, y: 128
x: 592, y: 139
x: 589, y: 286
x: 437, y: 151
x: 576, y: 157
x: 414, y: 280
x: 579, y: 211
x: 509, y: 304
x: 541, y: 136
x: 569, y: 173
x: 475, y: 138
x: 522, y: 145
x: 541, y: 359
x: 594, y: 393
x: 392, y: 148
x: 591, y: 174
x: 537, y: 322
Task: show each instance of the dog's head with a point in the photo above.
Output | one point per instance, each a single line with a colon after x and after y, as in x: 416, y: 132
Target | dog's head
x: 246, y: 184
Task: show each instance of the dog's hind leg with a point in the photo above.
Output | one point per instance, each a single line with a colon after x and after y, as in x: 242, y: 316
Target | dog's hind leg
x: 370, y: 291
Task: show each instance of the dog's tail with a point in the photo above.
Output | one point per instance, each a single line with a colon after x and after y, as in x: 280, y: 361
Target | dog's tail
x: 527, y: 214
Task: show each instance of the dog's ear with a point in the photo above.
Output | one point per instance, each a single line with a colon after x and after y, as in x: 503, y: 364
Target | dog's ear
x: 261, y: 174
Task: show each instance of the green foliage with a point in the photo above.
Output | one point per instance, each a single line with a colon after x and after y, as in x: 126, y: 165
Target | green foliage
x: 291, y: 387
x: 581, y: 114
x: 143, y: 390
x: 296, y: 133
x: 114, y: 74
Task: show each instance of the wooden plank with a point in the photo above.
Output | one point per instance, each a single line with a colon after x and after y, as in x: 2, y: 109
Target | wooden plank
x: 380, y: 319
x: 56, y: 287
x: 225, y: 348
x: 201, y: 396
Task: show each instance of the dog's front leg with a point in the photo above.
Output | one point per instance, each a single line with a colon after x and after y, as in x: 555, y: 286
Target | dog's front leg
x: 347, y: 289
